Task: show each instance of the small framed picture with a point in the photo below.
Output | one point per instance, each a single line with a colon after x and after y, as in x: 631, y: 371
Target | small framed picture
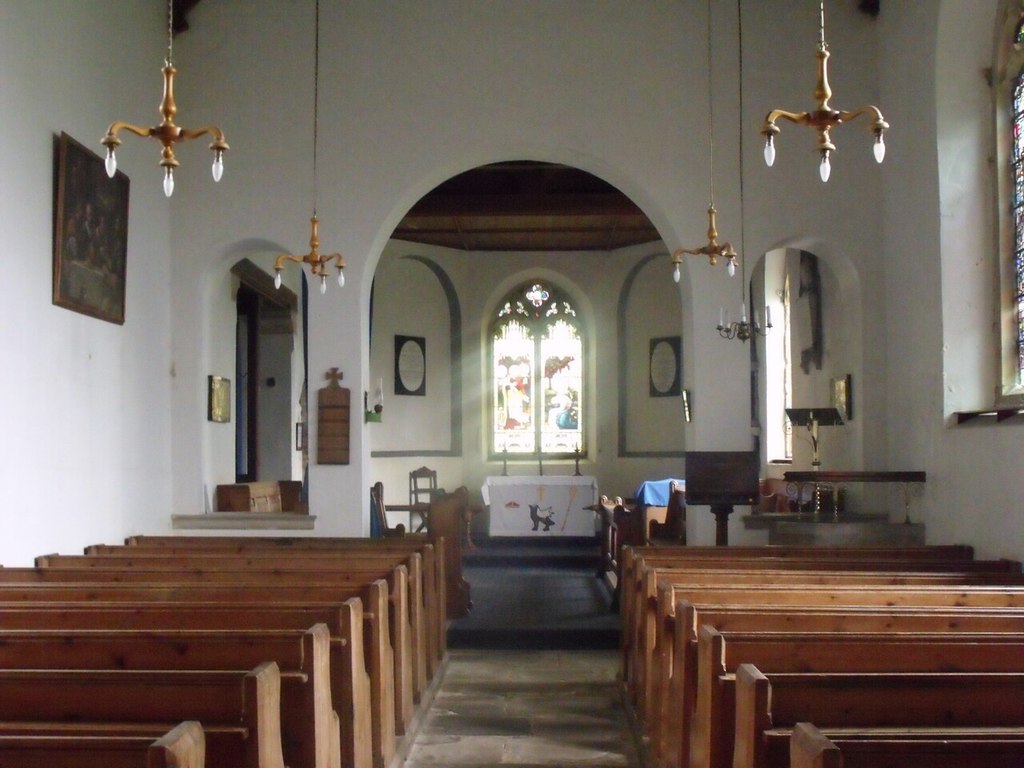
x: 219, y: 399
x: 842, y: 396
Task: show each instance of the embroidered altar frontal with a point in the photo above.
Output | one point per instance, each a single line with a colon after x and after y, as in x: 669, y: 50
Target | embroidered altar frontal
x: 541, y: 506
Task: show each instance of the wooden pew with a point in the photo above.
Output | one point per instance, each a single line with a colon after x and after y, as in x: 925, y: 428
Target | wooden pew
x: 647, y: 615
x: 455, y: 590
x: 421, y: 601
x: 350, y: 681
x: 670, y: 740
x: 433, y: 551
x: 246, y: 700
x: 673, y: 680
x: 721, y: 653
x: 184, y: 597
x: 781, y: 597
x: 405, y: 625
x: 92, y: 746
x: 310, y: 735
x: 809, y: 747
x: 768, y: 706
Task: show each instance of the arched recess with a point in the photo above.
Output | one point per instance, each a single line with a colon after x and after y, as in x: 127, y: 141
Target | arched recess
x: 817, y: 333
x: 382, y: 352
x: 650, y: 375
x: 246, y: 268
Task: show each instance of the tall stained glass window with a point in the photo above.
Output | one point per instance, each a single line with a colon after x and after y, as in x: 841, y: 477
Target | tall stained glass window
x: 536, y: 373
x: 1017, y: 162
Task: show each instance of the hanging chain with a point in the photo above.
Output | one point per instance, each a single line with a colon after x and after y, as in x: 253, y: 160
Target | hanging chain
x: 316, y: 99
x: 170, y: 29
x: 711, y: 116
x: 743, y: 234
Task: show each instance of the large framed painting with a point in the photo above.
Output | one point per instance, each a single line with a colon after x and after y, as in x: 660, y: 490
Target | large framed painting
x: 90, y: 240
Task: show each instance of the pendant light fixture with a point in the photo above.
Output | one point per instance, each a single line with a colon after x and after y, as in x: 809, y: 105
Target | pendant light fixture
x: 319, y: 263
x: 744, y: 328
x: 712, y: 249
x: 824, y: 118
x: 167, y: 133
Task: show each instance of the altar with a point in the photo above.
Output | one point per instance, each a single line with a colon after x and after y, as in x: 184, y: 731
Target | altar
x: 541, y: 506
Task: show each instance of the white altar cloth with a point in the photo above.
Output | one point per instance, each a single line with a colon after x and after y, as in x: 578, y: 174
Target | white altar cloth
x: 541, y: 506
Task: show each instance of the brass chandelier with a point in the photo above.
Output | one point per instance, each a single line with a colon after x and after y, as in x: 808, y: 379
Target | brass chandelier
x: 712, y: 249
x: 167, y: 133
x: 824, y: 118
x: 319, y: 264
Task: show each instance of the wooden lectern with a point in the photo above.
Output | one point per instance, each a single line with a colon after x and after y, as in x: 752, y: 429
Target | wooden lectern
x: 812, y: 418
x: 722, y: 479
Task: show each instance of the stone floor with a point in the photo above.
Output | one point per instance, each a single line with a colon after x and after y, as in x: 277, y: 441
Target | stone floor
x: 526, y: 708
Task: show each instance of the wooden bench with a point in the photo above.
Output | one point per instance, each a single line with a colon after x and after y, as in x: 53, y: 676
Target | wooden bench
x: 103, y: 746
x: 310, y: 727
x: 349, y: 679
x: 677, y: 705
x: 246, y: 700
x: 405, y: 628
x: 262, y: 496
x: 810, y: 747
x: 647, y: 615
x: 372, y: 622
x: 422, y: 605
x: 721, y: 653
x: 434, y: 552
x: 768, y: 706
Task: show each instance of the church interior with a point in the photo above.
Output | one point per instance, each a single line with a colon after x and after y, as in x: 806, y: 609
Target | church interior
x: 558, y: 258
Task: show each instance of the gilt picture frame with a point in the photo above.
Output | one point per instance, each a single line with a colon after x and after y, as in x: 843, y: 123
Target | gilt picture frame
x: 90, y: 238
x: 842, y: 396
x: 219, y: 399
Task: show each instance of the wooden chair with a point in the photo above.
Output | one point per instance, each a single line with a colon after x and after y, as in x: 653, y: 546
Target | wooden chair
x: 422, y: 490
x: 380, y: 515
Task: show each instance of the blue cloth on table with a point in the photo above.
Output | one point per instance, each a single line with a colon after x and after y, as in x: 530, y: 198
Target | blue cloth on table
x: 655, y: 493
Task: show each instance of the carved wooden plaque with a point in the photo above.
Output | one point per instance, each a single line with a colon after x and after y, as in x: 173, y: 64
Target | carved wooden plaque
x: 333, y: 419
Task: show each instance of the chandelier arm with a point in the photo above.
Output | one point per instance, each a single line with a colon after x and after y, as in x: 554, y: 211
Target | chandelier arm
x: 218, y: 135
x: 879, y: 123
x: 281, y: 260
x: 800, y: 118
x: 111, y: 138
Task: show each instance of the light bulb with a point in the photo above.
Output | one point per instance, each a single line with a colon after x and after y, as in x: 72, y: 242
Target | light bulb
x: 825, y: 169
x: 111, y: 162
x: 731, y: 267
x: 341, y: 278
x: 879, y: 149
x: 675, y: 273
x: 277, y: 279
x: 323, y: 284
x: 168, y: 182
x: 218, y: 165
x: 769, y: 151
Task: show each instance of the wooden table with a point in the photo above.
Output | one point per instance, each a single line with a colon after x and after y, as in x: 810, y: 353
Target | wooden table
x: 837, y: 477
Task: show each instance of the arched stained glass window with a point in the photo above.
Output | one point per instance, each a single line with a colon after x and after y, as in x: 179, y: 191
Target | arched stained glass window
x: 1017, y: 162
x: 537, y: 369
x: 1009, y: 82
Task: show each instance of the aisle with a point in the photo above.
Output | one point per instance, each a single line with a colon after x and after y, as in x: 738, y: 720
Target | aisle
x: 536, y: 595
x: 526, y: 709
